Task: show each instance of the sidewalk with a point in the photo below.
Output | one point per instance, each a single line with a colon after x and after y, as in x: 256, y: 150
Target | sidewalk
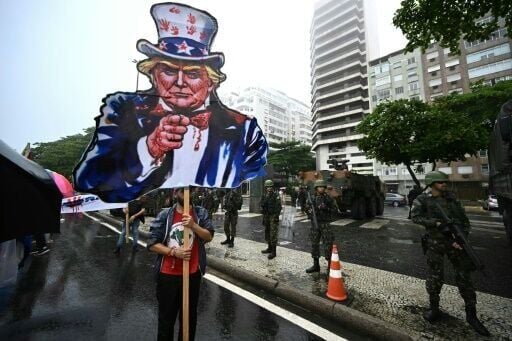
x: 384, y: 305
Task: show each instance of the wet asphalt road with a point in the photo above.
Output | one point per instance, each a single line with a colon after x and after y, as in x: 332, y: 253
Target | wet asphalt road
x: 81, y: 291
x: 396, y: 247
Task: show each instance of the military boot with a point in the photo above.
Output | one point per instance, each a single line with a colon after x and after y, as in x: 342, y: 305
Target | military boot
x: 315, y: 267
x: 433, y: 314
x: 231, y: 242
x: 228, y: 239
x: 473, y: 321
x: 267, y: 250
x: 272, y: 253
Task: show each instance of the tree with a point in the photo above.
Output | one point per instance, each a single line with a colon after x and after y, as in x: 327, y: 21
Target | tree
x: 288, y: 158
x: 447, y: 21
x: 62, y: 155
x: 410, y: 131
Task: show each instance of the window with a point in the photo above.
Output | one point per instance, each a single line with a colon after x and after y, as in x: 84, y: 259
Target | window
x: 435, y: 82
x: 504, y: 78
x: 413, y: 86
x: 415, y: 97
x: 446, y: 170
x: 411, y: 74
x: 465, y: 170
x: 434, y: 68
x: 383, y: 94
x: 374, y: 98
x: 411, y: 60
x: 382, y: 80
x: 405, y: 171
x: 381, y: 68
x: 399, y: 90
x: 446, y: 51
x: 494, y: 51
x: 397, y: 65
x: 456, y: 91
x: 397, y: 78
x: 452, y: 78
x: 389, y: 171
x: 494, y: 35
x: 432, y: 55
x: 490, y: 68
x: 452, y: 62
x: 485, y: 169
x: 482, y: 153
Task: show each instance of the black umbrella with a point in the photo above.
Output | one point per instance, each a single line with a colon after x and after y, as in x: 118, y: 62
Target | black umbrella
x: 31, y: 200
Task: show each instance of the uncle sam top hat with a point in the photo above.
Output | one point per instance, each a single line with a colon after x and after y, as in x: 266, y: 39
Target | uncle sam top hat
x: 184, y: 33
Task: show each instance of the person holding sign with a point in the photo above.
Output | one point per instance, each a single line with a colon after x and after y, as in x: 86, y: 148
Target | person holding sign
x: 166, y: 241
x: 177, y: 133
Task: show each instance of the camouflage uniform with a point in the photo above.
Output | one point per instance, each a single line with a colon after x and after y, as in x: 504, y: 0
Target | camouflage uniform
x: 271, y: 208
x: 209, y: 203
x: 232, y: 202
x: 324, y: 207
x: 197, y: 198
x: 425, y: 213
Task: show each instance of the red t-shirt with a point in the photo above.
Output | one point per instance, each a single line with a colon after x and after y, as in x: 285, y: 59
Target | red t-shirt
x: 174, y: 265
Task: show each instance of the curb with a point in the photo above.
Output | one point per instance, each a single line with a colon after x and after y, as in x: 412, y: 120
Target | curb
x: 345, y: 316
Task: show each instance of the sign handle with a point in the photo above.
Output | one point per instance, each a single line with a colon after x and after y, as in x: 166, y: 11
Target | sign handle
x: 186, y: 241
x: 127, y: 224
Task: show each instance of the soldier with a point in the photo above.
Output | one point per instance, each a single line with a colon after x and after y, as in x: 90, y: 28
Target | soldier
x: 437, y: 245
x: 271, y: 208
x: 302, y: 199
x: 209, y: 202
x: 197, y: 197
x: 232, y: 203
x: 324, y: 207
x: 413, y: 194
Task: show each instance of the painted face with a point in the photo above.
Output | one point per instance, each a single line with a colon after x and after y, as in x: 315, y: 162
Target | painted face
x: 182, y: 87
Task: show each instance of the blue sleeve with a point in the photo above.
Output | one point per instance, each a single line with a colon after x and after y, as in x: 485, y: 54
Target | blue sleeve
x: 204, y: 221
x: 256, y: 149
x: 110, y: 167
x: 157, y: 228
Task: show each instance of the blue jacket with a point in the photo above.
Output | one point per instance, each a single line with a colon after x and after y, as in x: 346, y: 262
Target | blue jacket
x: 160, y: 229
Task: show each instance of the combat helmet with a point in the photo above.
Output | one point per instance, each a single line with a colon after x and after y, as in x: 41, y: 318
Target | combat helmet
x: 435, y: 176
x: 320, y: 183
x: 269, y: 183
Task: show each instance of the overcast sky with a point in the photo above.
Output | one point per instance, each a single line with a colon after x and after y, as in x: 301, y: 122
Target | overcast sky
x: 61, y: 57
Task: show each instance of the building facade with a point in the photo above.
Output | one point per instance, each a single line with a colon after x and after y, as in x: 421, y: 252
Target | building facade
x: 281, y: 117
x: 392, y: 77
x: 339, y: 81
x: 488, y: 61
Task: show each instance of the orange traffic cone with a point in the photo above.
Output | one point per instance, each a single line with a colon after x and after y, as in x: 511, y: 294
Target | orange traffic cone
x: 336, y: 287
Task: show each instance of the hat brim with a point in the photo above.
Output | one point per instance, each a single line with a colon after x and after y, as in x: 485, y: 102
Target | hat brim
x: 214, y: 59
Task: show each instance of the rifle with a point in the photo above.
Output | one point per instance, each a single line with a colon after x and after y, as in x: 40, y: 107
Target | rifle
x: 455, y: 232
x: 314, y: 222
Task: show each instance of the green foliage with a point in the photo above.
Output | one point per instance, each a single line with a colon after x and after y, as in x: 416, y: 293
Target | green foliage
x: 410, y: 131
x: 288, y: 158
x: 447, y: 21
x: 62, y: 155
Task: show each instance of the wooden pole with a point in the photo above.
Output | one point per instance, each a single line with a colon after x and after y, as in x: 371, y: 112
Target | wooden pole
x: 185, y: 307
x: 127, y: 224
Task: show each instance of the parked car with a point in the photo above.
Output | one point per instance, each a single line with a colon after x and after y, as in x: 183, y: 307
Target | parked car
x: 491, y: 203
x: 395, y: 199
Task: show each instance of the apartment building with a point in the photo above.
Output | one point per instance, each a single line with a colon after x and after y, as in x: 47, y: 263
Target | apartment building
x: 489, y: 61
x: 281, y: 117
x: 396, y: 76
x: 339, y: 81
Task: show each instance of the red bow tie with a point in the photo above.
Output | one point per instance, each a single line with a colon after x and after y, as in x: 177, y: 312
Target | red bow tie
x: 200, y: 119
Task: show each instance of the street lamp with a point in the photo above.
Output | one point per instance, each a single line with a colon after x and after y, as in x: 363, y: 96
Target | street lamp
x: 137, y: 83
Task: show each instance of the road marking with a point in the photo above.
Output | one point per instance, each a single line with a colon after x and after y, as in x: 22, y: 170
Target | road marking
x: 342, y: 222
x: 374, y: 224
x: 287, y: 315
x: 112, y: 228
x: 249, y: 215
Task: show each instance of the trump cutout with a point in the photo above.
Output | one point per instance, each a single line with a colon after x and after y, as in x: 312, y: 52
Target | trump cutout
x: 177, y: 133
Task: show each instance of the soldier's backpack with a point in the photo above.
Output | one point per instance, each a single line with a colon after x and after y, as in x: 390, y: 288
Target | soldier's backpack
x: 238, y: 201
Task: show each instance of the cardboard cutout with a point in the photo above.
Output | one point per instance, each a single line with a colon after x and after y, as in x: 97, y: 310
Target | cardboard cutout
x: 177, y: 133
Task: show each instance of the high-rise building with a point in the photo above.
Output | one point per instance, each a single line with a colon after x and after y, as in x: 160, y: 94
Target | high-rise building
x: 339, y: 81
x: 282, y: 118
